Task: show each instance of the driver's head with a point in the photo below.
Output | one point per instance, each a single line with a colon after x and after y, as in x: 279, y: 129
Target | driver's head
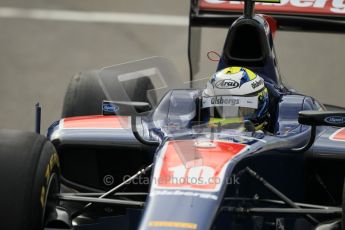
x: 236, y: 93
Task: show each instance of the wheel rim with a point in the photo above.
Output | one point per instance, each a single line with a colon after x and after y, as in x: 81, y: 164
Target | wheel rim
x: 51, y: 199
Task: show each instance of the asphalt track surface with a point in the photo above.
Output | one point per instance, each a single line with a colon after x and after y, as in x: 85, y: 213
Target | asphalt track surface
x: 38, y: 56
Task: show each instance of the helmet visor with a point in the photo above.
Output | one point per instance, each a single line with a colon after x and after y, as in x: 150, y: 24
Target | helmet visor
x: 230, y: 107
x: 231, y: 112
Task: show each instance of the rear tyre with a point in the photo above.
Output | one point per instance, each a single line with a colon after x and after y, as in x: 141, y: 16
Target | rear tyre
x: 29, y: 172
x: 85, y: 94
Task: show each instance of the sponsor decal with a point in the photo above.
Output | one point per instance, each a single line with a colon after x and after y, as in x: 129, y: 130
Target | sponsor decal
x: 227, y: 101
x: 52, y: 164
x: 339, y: 135
x: 256, y: 84
x: 109, y: 108
x: 227, y: 84
x: 335, y: 120
x: 324, y: 7
x: 248, y: 102
x: 173, y: 224
x: 176, y: 170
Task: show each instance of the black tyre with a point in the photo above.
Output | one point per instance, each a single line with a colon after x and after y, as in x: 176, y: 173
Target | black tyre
x: 86, y: 92
x: 343, y: 206
x: 29, y: 169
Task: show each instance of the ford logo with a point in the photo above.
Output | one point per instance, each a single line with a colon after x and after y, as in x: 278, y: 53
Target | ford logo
x: 110, y: 108
x: 227, y: 84
x: 335, y: 120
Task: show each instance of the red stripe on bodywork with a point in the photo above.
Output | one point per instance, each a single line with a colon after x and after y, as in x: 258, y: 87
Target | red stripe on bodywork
x: 339, y: 135
x: 272, y: 23
x: 96, y: 122
x: 317, y: 7
x: 184, y: 163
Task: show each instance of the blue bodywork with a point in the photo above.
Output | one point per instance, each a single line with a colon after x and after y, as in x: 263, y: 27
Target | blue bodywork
x: 271, y: 157
x: 295, y: 174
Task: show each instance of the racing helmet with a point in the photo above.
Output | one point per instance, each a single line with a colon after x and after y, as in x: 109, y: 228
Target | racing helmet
x: 233, y: 93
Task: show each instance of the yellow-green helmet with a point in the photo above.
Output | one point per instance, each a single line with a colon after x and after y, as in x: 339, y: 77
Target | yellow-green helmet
x: 236, y: 92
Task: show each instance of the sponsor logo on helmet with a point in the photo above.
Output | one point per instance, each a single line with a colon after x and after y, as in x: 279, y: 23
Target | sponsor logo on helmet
x: 227, y: 84
x: 335, y: 120
x: 258, y: 83
x: 224, y: 101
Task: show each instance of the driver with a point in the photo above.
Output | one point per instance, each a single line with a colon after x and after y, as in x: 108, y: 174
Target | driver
x: 236, y: 95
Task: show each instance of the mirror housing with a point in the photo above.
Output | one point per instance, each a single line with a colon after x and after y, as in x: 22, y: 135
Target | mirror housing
x: 322, y: 118
x: 319, y: 118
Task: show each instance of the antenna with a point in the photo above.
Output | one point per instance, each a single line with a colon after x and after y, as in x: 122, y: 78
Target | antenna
x: 248, y: 10
x: 38, y: 118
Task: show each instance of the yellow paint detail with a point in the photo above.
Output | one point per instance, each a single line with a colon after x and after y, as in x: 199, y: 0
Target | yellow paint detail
x: 259, y: 127
x: 43, y: 196
x: 47, y: 174
x: 250, y: 73
x: 232, y: 70
x: 214, y: 122
x: 51, y: 162
x: 54, y: 160
x: 236, y: 69
x: 262, y: 94
x: 173, y: 224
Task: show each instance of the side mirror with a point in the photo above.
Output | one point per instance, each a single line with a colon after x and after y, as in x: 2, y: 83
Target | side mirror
x: 318, y: 118
x: 124, y: 108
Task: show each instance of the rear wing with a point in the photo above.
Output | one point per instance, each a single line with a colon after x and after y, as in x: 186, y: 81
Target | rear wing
x: 290, y: 15
x: 306, y: 15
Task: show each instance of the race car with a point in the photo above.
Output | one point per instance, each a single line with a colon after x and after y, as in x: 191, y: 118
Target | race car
x: 135, y: 150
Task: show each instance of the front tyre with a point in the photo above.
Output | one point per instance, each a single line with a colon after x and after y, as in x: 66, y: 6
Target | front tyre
x: 29, y: 172
x: 343, y: 207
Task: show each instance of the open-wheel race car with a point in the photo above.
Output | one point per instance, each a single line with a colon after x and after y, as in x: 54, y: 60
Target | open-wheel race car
x: 136, y: 149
